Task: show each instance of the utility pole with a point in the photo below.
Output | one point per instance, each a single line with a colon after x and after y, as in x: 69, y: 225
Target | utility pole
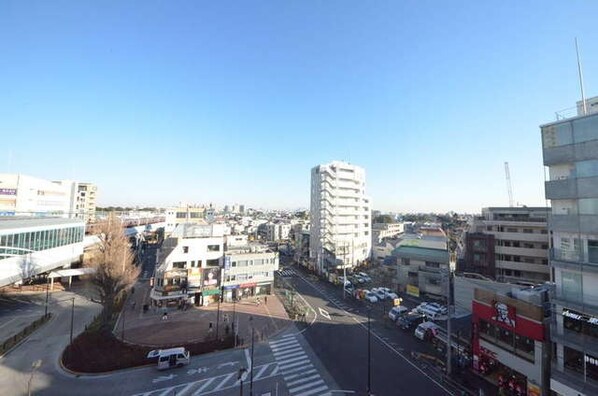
x: 72, y: 319
x: 369, y: 386
x: 449, y: 299
x: 251, y: 379
x: 344, y: 271
x: 47, y: 295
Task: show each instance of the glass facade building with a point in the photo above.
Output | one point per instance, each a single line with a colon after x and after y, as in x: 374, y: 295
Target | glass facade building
x: 570, y: 151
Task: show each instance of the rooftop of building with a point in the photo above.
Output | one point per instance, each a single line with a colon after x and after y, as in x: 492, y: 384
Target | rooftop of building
x: 198, y: 230
x: 252, y: 247
x: 9, y: 223
x: 576, y: 112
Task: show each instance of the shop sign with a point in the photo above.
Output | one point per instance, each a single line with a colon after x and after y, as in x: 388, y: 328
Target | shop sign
x: 577, y: 316
x: 231, y: 287
x: 210, y: 292
x: 413, y: 290
x: 8, y: 191
x: 504, y: 313
x: 533, y: 389
x: 246, y: 285
x: 226, y: 262
x: 211, y: 276
x: 591, y: 360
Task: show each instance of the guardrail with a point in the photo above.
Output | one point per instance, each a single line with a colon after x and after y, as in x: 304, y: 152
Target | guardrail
x: 11, y: 342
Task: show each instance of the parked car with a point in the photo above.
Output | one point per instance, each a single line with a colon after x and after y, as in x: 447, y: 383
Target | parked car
x: 379, y: 293
x: 426, y: 331
x: 349, y: 287
x: 358, y: 279
x: 410, y: 320
x: 371, y: 297
x: 439, y: 307
x: 365, y: 276
x: 389, y: 294
x: 396, y: 312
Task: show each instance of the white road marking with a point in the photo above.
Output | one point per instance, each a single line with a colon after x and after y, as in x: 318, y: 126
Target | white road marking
x: 285, y: 372
x: 288, y: 354
x: 288, y: 335
x: 301, y: 380
x: 311, y: 392
x: 290, y: 377
x: 282, y: 352
x: 283, y: 363
x: 283, y: 342
x: 204, y: 386
x: 224, y: 381
x: 262, y: 370
x: 163, y: 378
x: 306, y: 386
x: 287, y: 366
x: 295, y: 344
x: 324, y: 313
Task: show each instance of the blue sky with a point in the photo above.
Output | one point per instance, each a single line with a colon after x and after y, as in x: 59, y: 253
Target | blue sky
x: 159, y: 102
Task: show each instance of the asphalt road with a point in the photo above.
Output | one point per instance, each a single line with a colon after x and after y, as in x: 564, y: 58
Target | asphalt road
x: 339, y: 337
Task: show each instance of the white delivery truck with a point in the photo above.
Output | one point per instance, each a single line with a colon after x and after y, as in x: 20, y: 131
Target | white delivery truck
x: 169, y: 358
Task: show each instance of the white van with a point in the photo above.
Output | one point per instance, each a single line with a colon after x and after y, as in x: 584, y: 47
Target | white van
x: 430, y: 311
x: 169, y: 358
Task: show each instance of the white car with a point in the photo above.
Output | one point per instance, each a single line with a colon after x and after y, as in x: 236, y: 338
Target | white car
x: 391, y: 295
x: 379, y: 293
x: 395, y: 312
x: 371, y: 297
x: 365, y: 276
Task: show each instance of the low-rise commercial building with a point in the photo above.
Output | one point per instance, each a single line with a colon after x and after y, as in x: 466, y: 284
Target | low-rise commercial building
x: 511, y: 339
x: 380, y: 231
x: 184, y: 214
x: 249, y: 271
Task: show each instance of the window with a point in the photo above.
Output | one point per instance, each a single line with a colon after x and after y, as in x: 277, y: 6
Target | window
x: 432, y: 264
x: 510, y: 229
x: 213, y: 248
x: 179, y: 264
x: 571, y: 286
x: 587, y: 168
x: 212, y: 263
x: 573, y: 359
x: 528, y: 231
x: 593, y: 251
x: 185, y: 249
x: 405, y: 261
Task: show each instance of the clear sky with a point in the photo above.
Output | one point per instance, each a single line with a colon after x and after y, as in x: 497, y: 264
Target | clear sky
x: 215, y: 101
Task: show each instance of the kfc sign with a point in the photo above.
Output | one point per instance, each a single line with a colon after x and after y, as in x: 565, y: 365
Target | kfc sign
x: 504, y: 313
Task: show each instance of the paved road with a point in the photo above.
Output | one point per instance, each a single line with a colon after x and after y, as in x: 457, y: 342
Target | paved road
x: 339, y: 337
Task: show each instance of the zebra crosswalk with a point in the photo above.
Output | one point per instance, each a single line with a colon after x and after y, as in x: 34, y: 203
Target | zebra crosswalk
x: 287, y: 272
x: 299, y: 373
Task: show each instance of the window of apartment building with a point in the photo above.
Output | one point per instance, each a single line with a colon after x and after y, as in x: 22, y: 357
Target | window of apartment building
x: 179, y: 264
x: 242, y: 263
x: 507, y: 272
x: 185, y: 249
x: 212, y: 263
x: 544, y: 246
x: 213, y: 248
x: 230, y: 278
x: 479, y: 244
x: 516, y: 244
x: 593, y: 251
x: 511, y: 229
x: 528, y: 230
x: 193, y: 263
x: 489, y: 228
x: 434, y: 281
x: 412, y: 274
x: 432, y: 264
x: 573, y: 359
x: 241, y: 277
x: 543, y: 231
x: 405, y: 261
x: 366, y: 233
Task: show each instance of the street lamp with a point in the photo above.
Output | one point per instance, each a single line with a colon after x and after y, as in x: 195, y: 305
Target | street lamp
x: 72, y: 319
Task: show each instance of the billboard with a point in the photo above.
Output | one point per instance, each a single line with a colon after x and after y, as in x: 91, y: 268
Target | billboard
x: 210, y: 276
x: 413, y: 290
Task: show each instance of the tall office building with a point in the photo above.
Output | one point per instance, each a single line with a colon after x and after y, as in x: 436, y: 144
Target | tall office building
x: 340, y: 215
x: 570, y: 150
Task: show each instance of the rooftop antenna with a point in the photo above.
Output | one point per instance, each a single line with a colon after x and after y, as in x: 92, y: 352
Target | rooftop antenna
x: 509, y: 187
x: 583, y: 96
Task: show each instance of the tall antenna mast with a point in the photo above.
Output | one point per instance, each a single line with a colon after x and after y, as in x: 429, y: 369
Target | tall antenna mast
x: 583, y: 96
x: 509, y: 187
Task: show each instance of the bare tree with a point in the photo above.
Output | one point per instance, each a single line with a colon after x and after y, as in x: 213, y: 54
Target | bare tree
x: 112, y: 261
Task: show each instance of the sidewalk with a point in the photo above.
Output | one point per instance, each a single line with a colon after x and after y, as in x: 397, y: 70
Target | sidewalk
x: 193, y: 324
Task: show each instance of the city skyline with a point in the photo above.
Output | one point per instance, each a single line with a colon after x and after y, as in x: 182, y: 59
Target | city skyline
x: 236, y: 103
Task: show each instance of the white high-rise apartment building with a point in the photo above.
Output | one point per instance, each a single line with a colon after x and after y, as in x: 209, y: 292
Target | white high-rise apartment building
x: 340, y: 214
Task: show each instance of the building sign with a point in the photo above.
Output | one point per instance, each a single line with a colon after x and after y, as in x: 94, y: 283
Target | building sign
x: 590, y: 360
x: 8, y: 191
x: 413, y: 290
x: 210, y: 276
x: 581, y: 317
x: 504, y: 313
x: 210, y: 292
x: 226, y: 262
x: 247, y: 285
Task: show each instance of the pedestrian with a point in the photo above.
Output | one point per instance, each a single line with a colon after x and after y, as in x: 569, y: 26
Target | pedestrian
x: 165, y: 316
x: 266, y: 300
x: 133, y: 305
